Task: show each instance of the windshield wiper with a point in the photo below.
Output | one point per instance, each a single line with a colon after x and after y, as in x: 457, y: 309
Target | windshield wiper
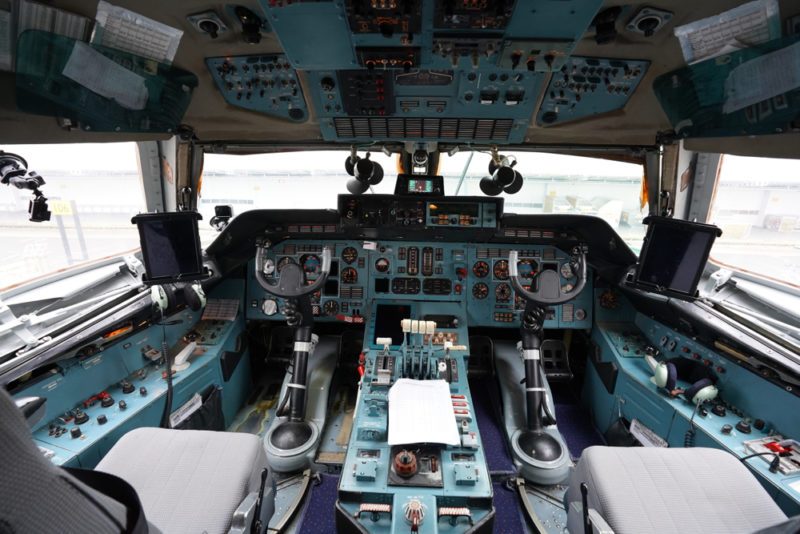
x: 773, y: 329
x: 20, y: 326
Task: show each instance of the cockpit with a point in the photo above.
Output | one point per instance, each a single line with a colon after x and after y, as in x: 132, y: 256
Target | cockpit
x: 400, y: 266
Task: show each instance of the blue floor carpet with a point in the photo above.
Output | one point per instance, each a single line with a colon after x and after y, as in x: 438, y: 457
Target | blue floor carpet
x: 507, y: 519
x: 319, y: 515
x: 490, y: 426
x: 574, y: 422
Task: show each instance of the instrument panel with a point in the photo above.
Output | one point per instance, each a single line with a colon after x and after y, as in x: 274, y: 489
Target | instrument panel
x: 475, y: 276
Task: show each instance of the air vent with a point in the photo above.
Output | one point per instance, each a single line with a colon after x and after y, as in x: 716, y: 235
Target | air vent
x: 419, y: 128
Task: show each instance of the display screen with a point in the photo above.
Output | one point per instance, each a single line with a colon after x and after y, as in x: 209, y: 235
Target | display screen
x: 674, y: 255
x: 423, y: 185
x: 170, y: 246
x: 387, y: 322
x: 420, y: 186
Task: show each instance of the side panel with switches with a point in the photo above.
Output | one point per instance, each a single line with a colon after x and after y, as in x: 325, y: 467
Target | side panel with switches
x: 101, y: 392
x: 746, y: 417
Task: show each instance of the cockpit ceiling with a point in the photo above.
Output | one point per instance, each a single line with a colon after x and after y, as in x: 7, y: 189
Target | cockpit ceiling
x: 317, y: 95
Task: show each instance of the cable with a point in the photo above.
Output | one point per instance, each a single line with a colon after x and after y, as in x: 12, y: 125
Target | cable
x: 533, y: 318
x: 168, y: 405
x: 688, y: 438
x: 773, y: 465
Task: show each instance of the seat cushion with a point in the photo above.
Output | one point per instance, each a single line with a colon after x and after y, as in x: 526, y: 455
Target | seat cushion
x: 643, y: 489
x: 188, y: 480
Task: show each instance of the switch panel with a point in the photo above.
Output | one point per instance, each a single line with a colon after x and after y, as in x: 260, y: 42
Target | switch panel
x: 265, y: 83
x: 588, y: 86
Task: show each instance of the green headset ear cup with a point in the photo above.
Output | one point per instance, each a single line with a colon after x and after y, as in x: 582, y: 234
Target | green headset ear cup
x: 660, y: 374
x: 701, y: 391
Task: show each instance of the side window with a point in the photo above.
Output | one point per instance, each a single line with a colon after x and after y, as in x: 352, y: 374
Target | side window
x: 757, y: 206
x: 92, y: 192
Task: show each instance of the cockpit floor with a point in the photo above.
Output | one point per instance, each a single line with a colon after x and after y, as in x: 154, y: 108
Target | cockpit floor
x: 316, y: 513
x: 574, y: 421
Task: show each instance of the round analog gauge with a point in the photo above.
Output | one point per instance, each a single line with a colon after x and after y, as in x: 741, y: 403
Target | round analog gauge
x: 480, y: 291
x: 349, y: 255
x: 566, y: 270
x: 269, y: 307
x: 349, y: 276
x: 284, y: 261
x: 566, y: 288
x: 480, y: 269
x: 502, y: 292
x: 330, y: 308
x: 526, y: 269
x: 382, y: 265
x: 310, y: 263
x: 501, y: 270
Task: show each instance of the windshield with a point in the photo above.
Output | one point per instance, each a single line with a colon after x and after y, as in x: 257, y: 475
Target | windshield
x: 757, y: 206
x: 92, y: 192
x: 553, y: 183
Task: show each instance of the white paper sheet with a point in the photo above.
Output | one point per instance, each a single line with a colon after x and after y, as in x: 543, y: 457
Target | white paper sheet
x: 762, y: 78
x: 421, y: 411
x: 103, y: 76
x: 127, y: 30
x: 741, y: 27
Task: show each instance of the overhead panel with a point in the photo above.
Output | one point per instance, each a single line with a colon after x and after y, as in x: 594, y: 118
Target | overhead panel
x: 456, y: 71
x: 587, y: 86
x: 266, y: 83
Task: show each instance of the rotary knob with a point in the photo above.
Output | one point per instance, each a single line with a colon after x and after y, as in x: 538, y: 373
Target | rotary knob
x: 405, y: 463
x: 743, y: 427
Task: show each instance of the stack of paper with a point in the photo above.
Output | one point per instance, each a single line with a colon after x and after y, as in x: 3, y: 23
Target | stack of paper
x: 421, y: 411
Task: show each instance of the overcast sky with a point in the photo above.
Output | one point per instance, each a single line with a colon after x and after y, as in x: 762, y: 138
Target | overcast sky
x: 121, y: 156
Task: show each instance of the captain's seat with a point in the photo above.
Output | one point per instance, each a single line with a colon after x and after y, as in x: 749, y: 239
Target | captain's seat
x: 632, y: 490
x: 186, y: 481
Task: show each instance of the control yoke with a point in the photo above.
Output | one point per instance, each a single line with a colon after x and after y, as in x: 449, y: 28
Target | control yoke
x: 549, y: 286
x: 291, y: 281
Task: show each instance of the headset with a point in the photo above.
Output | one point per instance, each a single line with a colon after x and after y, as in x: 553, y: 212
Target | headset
x: 702, y: 379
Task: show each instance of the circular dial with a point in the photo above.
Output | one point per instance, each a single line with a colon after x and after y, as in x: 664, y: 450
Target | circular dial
x: 480, y: 291
x: 566, y: 270
x: 480, y: 269
x: 349, y: 276
x: 330, y: 308
x: 566, y: 288
x: 526, y: 269
x: 502, y: 292
x: 349, y: 255
x: 310, y: 263
x: 284, y: 261
x: 269, y: 307
x: 501, y: 270
x: 382, y: 265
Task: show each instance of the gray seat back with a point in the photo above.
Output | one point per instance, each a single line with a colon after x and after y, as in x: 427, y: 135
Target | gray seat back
x: 37, y: 496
